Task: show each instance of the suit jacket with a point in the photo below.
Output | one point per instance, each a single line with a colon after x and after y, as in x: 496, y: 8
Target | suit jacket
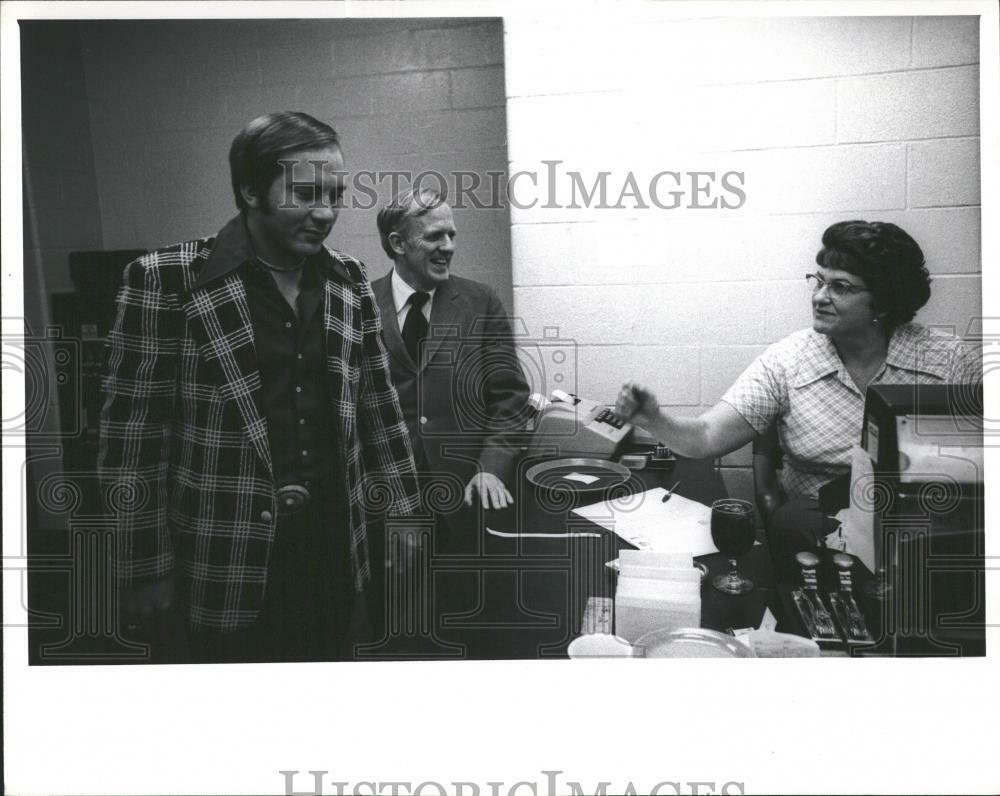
x: 184, y: 446
x: 467, y: 395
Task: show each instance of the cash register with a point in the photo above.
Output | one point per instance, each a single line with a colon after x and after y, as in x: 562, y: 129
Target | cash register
x: 569, y: 425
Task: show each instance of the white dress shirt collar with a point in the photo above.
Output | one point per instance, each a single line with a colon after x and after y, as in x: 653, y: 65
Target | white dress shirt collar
x: 401, y: 293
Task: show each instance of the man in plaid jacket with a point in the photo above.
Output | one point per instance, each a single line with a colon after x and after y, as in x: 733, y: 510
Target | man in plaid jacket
x: 250, y: 425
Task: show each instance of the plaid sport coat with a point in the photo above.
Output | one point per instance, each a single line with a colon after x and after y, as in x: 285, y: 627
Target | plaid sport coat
x: 185, y: 459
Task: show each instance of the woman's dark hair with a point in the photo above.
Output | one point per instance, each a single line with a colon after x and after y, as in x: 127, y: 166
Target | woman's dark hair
x: 256, y: 150
x: 887, y: 259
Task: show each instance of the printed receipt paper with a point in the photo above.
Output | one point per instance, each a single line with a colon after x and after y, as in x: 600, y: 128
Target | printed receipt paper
x: 644, y: 520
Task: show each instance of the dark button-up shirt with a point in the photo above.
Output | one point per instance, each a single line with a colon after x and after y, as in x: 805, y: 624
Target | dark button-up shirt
x: 291, y: 355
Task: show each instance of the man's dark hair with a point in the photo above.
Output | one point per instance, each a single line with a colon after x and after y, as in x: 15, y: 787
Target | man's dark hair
x: 256, y: 150
x: 888, y: 260
x: 407, y: 204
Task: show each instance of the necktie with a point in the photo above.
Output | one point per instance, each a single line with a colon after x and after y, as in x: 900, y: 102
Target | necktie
x: 415, y: 325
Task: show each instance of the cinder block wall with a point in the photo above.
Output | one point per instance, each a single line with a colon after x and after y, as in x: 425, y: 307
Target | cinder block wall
x: 828, y: 119
x: 166, y: 99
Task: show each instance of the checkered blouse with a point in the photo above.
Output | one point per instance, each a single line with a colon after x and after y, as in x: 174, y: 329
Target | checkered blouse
x: 802, y: 383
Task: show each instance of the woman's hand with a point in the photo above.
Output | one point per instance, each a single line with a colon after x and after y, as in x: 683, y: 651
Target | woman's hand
x: 718, y: 431
x: 637, y: 404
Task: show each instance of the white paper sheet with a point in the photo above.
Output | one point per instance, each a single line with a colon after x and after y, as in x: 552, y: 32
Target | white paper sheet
x: 583, y: 479
x: 859, y: 526
x: 678, y: 526
x: 530, y: 535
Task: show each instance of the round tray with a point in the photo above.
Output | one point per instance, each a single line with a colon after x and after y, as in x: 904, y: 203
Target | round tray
x: 694, y: 642
x: 552, y: 474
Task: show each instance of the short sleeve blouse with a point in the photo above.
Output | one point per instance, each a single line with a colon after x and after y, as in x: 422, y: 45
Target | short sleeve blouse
x: 801, y: 383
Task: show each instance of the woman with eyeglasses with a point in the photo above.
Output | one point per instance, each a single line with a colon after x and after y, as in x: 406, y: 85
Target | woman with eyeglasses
x: 869, y: 283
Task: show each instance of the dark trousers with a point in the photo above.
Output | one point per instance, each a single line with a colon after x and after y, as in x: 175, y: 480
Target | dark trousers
x: 310, y: 612
x: 451, y: 531
x: 796, y: 526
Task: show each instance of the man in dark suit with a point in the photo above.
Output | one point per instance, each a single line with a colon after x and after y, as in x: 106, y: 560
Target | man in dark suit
x: 452, y: 355
x: 249, y: 425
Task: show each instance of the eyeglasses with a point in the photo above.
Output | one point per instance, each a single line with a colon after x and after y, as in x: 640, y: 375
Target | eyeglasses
x: 836, y: 289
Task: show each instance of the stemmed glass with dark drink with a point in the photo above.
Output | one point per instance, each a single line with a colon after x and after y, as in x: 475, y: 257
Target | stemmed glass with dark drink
x: 733, y: 533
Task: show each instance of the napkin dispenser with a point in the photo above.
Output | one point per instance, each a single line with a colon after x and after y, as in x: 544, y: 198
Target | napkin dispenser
x: 569, y: 426
x: 656, y: 591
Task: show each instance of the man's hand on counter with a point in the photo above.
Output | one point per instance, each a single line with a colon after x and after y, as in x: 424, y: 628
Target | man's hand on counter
x: 492, y: 492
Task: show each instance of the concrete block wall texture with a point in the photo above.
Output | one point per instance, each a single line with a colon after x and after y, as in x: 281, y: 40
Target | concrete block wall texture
x: 828, y: 119
x: 166, y: 99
